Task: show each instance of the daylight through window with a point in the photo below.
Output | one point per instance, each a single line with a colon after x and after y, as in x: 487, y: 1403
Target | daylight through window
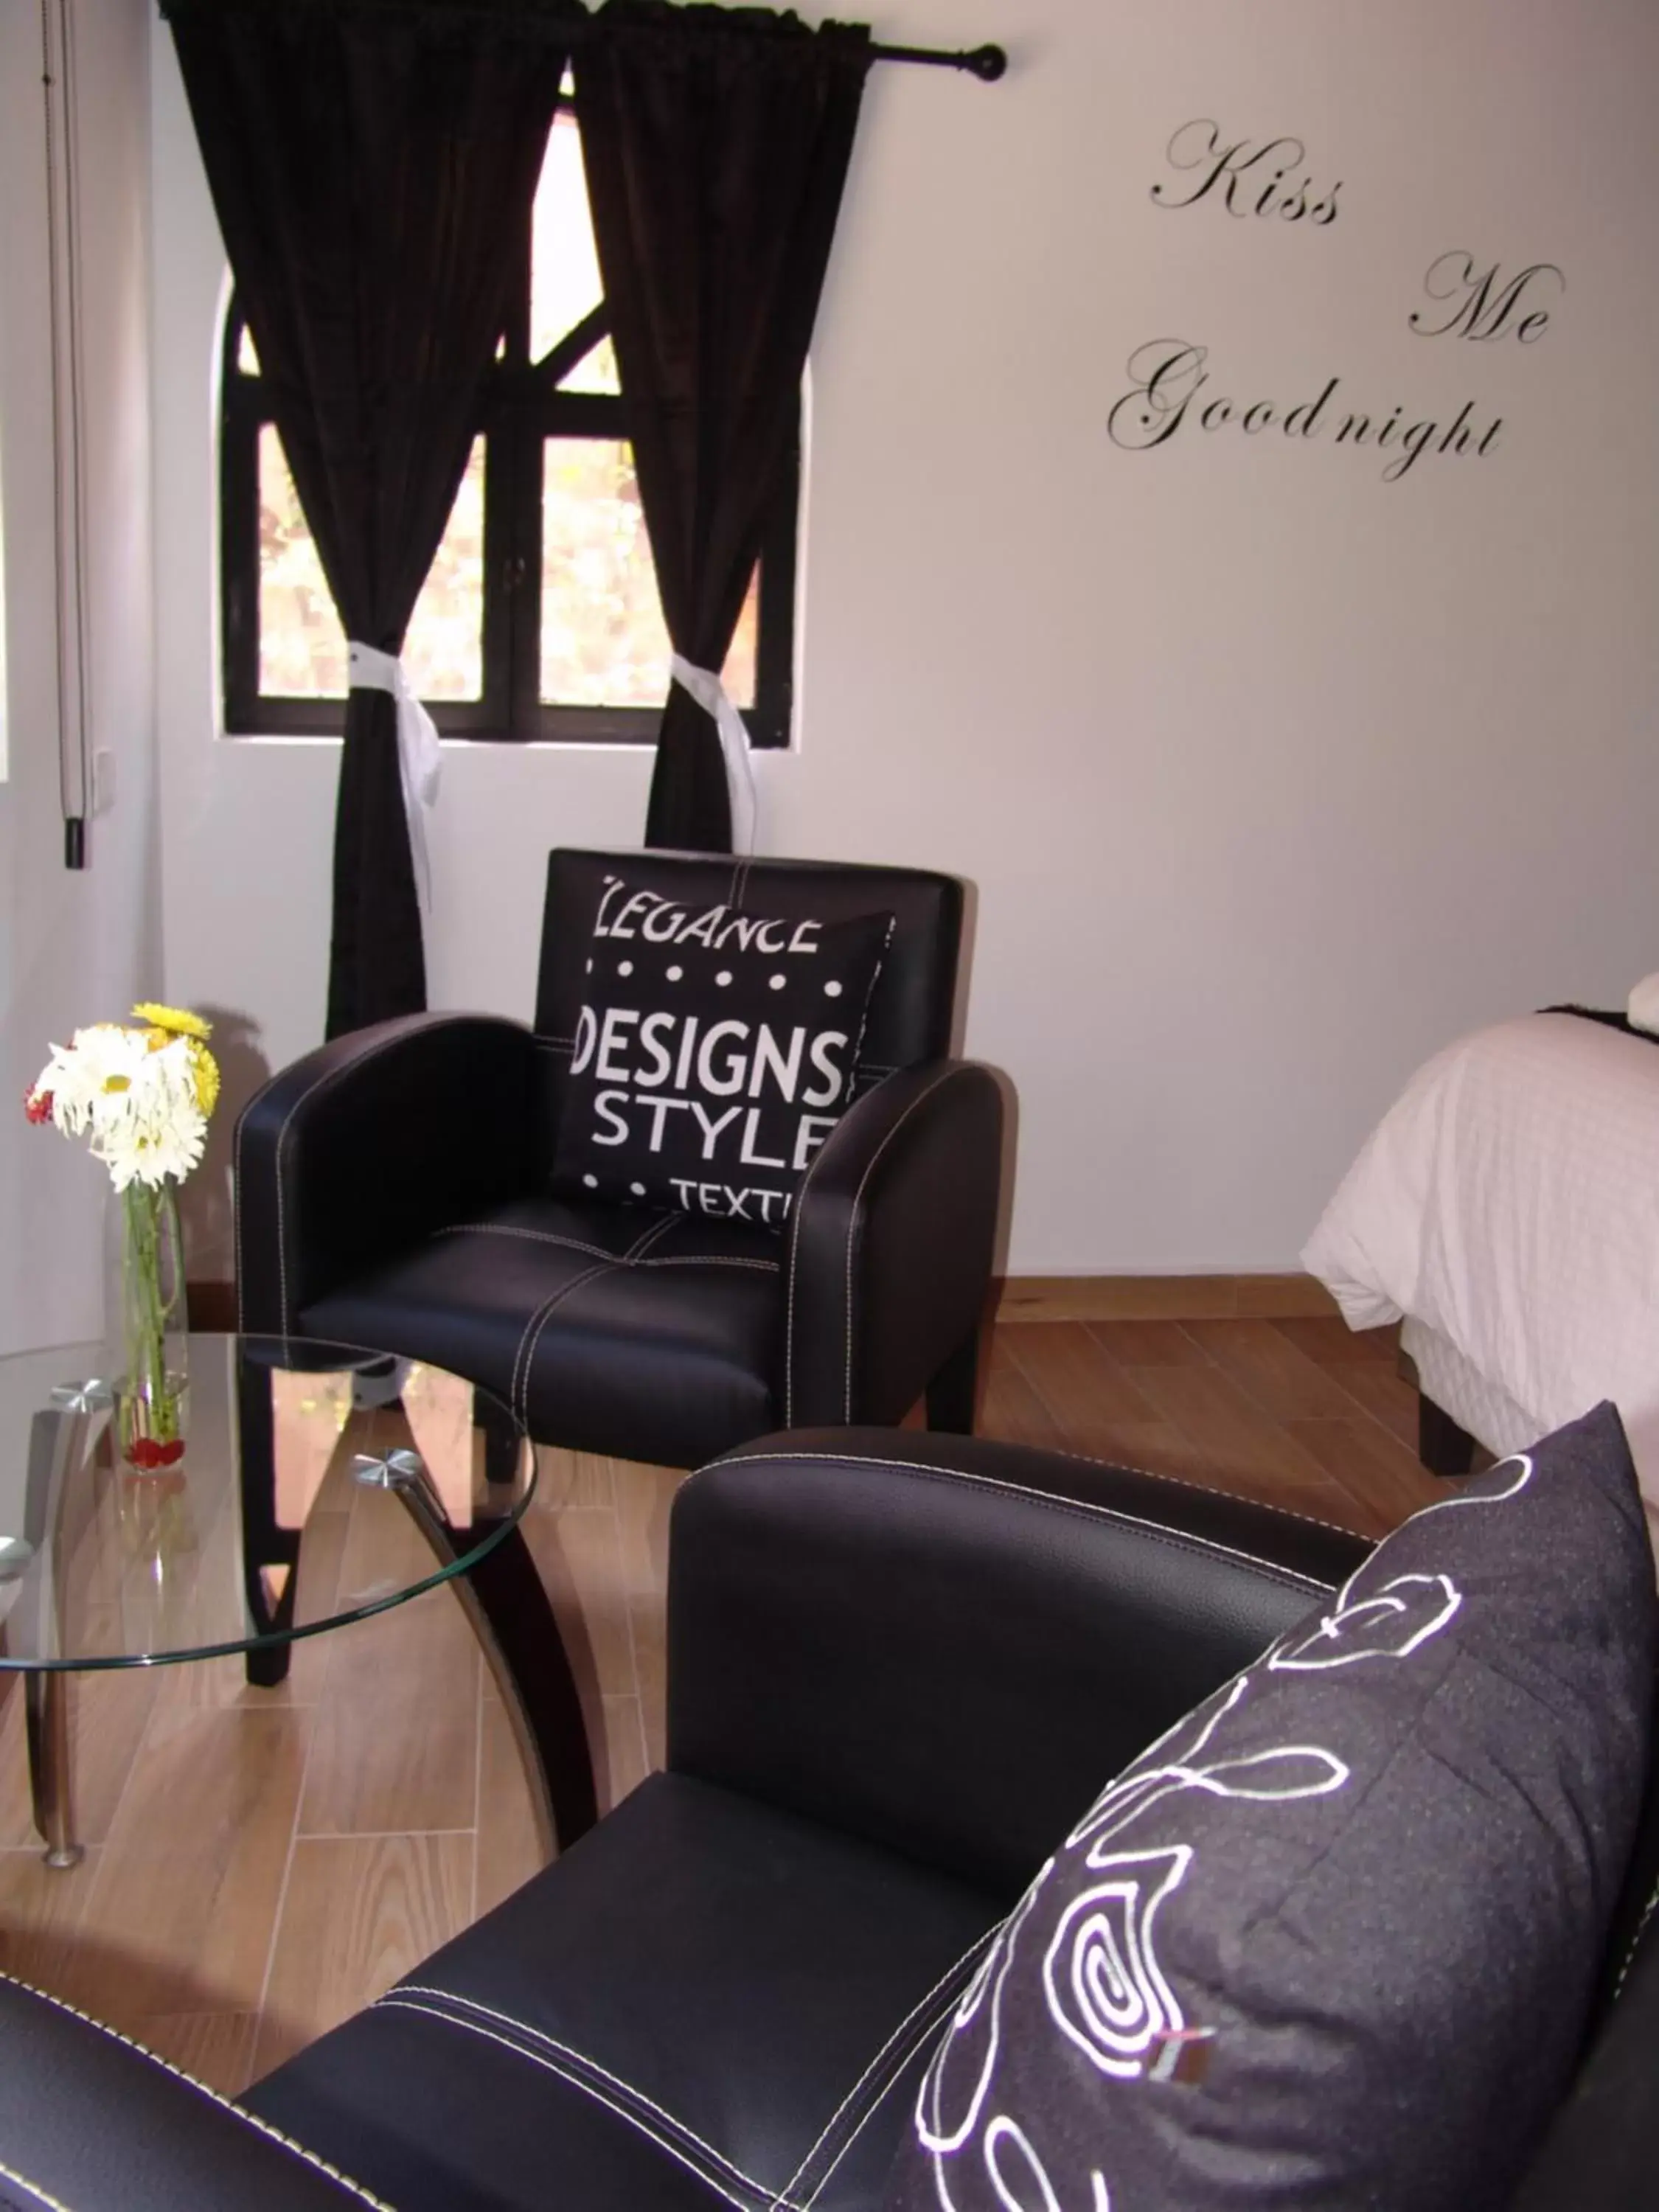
x: 539, y: 616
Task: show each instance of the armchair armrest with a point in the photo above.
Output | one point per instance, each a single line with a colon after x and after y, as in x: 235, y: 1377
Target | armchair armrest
x: 889, y: 1254
x: 949, y: 1646
x: 89, y: 2120
x: 373, y: 1141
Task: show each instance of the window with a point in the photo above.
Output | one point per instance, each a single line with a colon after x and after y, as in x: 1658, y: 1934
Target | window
x: 538, y: 617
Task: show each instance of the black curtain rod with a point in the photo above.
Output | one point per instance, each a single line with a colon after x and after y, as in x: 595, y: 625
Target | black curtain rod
x: 986, y: 63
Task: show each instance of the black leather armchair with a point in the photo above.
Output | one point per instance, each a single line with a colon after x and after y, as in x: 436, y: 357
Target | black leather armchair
x: 391, y: 1190
x: 726, y: 1995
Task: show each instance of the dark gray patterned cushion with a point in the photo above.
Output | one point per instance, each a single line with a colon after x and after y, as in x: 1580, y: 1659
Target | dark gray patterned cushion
x: 1330, y: 1944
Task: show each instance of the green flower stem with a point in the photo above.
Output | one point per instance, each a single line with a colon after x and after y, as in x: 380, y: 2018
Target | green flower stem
x: 152, y: 1281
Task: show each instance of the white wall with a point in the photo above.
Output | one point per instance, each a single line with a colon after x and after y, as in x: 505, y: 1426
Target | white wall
x: 1271, y: 776
x: 79, y: 947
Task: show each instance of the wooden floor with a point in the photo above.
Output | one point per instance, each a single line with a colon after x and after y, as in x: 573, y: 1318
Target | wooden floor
x: 260, y: 1863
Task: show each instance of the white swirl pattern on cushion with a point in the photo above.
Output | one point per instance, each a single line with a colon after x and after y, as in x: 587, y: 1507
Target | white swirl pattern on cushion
x: 1103, y: 1984
x: 1404, y: 1613
x: 1004, y: 2130
x: 1100, y: 1972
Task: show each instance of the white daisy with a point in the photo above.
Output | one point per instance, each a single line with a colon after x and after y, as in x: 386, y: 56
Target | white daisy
x: 88, y: 1077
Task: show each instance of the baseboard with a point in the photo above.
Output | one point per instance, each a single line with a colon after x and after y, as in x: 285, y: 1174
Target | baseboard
x: 1162, y: 1297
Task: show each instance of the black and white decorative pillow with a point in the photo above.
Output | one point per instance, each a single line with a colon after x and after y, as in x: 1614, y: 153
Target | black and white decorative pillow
x: 714, y: 1054
x: 1331, y: 1942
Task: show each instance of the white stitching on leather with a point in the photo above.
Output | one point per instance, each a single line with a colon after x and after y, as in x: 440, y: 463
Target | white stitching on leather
x: 922, y: 2005
x: 800, y: 1207
x: 250, y: 2119
x: 944, y: 1077
x: 525, y: 1355
x: 709, y: 1260
x: 857, y: 2128
x: 789, y: 1308
x: 41, y: 2195
x: 518, y: 1350
x: 598, y: 1251
x: 532, y: 1235
x: 1180, y: 1538
x: 642, y: 1243
x: 1204, y: 1489
x: 789, y: 1311
x: 395, y: 2001
x: 875, y: 979
x: 581, y: 2058
x: 1635, y: 1944
x: 314, y: 1091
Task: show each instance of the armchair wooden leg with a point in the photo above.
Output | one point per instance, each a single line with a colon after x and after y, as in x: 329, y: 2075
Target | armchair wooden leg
x: 953, y: 1392
x: 1443, y: 1447
x: 264, y: 1545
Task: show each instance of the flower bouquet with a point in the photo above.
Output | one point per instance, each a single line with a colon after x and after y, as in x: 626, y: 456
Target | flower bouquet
x: 142, y: 1097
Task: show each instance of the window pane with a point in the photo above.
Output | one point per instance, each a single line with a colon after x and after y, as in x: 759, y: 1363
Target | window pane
x: 443, y: 650
x: 603, y: 639
x: 595, y: 372
x: 302, y: 650
x: 564, y: 269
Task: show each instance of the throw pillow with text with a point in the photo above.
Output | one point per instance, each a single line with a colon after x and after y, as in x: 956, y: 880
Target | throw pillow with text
x: 715, y: 1052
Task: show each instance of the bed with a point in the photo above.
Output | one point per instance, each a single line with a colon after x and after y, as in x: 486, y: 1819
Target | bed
x: 1506, y: 1211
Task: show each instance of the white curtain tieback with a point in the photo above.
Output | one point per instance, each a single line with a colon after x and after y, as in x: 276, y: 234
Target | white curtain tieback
x: 419, y: 760
x: 706, y: 688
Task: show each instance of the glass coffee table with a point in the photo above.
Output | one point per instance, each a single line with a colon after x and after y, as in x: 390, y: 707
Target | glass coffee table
x: 105, y: 1565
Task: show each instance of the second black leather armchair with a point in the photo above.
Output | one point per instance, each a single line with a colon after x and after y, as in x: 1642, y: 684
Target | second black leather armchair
x: 899, y: 1667
x: 723, y: 1999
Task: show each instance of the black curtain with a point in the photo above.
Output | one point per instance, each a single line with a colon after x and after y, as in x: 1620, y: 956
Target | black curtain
x: 716, y: 143
x: 373, y: 165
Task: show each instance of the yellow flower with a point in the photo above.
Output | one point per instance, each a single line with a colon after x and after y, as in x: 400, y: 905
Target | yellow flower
x: 175, y: 1020
x: 205, y: 1068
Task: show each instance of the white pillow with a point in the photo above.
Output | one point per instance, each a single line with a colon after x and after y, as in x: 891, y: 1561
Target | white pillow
x: 1642, y: 1009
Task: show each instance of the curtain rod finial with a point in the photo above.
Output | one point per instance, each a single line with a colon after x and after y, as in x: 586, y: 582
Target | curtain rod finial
x: 987, y: 63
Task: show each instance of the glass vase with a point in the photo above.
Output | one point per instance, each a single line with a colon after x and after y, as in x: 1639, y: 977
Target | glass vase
x: 148, y: 1328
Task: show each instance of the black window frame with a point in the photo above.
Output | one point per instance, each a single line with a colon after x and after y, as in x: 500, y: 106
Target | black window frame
x: 520, y: 407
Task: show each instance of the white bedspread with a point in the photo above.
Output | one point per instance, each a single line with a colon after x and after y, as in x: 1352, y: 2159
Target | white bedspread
x: 1510, y: 1199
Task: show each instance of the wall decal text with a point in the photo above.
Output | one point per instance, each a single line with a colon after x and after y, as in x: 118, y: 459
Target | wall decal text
x: 1477, y: 303
x: 1168, y: 373
x: 1246, y: 176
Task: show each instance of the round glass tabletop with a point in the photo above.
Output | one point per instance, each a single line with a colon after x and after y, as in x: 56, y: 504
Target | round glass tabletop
x: 319, y: 1484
